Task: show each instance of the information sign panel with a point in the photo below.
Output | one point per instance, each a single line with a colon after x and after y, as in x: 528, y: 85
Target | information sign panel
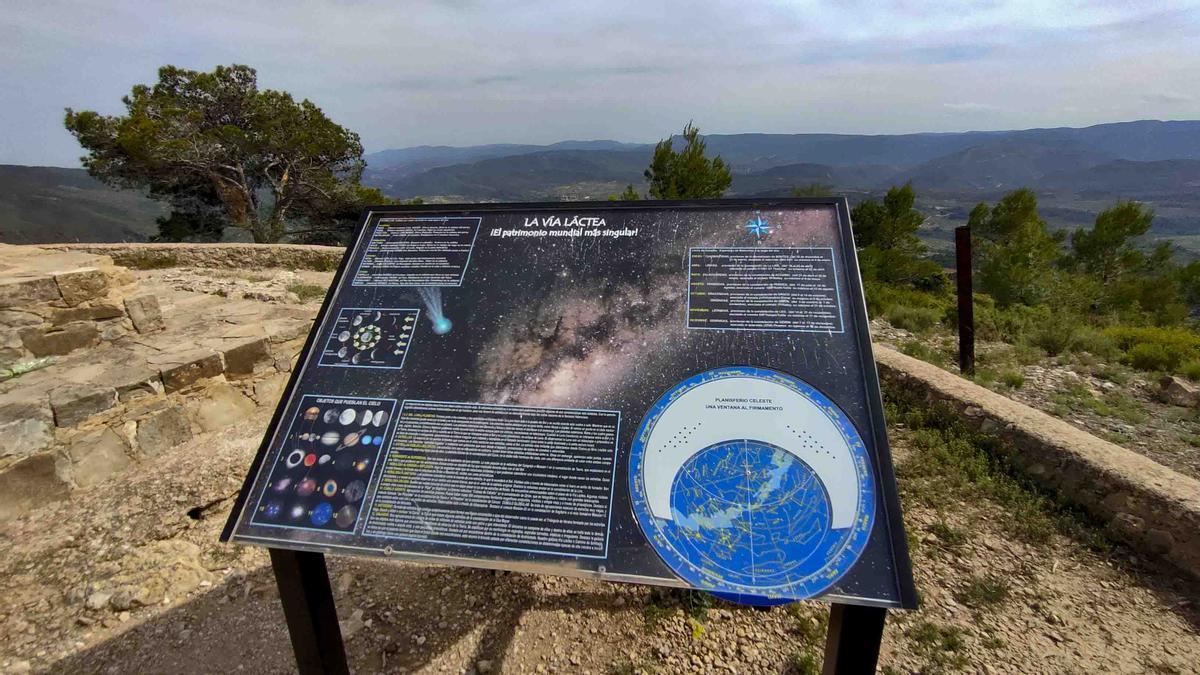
x: 671, y: 393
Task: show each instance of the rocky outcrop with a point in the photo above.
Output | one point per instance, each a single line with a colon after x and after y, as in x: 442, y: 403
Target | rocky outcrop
x: 235, y: 256
x: 124, y: 376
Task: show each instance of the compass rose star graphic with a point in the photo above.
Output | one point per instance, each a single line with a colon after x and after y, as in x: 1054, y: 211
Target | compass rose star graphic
x: 758, y: 226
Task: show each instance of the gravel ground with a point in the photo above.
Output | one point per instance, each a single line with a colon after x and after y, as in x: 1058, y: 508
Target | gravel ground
x: 129, y: 577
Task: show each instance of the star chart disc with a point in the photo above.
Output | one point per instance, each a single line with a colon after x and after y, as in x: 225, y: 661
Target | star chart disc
x: 752, y: 484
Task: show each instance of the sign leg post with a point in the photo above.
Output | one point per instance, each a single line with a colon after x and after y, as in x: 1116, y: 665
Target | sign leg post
x: 307, y: 600
x: 852, y: 643
x: 966, y: 300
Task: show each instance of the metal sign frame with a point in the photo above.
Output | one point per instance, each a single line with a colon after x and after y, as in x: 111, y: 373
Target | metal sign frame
x: 855, y: 629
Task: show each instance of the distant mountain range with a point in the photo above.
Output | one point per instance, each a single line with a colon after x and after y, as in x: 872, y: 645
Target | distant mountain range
x: 1076, y: 172
x: 775, y: 163
x: 40, y: 204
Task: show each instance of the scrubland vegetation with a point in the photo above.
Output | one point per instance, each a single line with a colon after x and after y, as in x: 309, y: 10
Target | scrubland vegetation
x: 1092, y: 292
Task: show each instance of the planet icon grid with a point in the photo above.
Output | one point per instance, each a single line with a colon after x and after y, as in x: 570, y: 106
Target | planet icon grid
x: 370, y: 338
x: 320, y: 477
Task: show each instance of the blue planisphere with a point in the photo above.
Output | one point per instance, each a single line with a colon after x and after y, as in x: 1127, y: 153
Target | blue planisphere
x: 754, y: 514
x: 750, y: 521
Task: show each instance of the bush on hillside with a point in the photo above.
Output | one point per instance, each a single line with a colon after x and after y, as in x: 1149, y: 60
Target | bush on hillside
x: 1095, y: 342
x: 1152, y: 348
x: 1012, y: 324
x: 915, y: 319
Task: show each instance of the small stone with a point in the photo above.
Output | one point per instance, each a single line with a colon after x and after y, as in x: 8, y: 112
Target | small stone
x: 121, y: 601
x: 60, y: 339
x: 81, y: 285
x: 222, y: 407
x: 1159, y: 541
x: 191, y: 367
x: 145, y: 313
x: 74, y: 403
x: 248, y: 357
x: 98, y: 600
x: 162, y: 431
x: 483, y: 666
x: 24, y: 292
x: 1177, y: 391
x: 97, y: 455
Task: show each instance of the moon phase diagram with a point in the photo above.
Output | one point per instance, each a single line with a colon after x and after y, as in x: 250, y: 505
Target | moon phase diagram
x: 370, y: 338
x: 750, y: 481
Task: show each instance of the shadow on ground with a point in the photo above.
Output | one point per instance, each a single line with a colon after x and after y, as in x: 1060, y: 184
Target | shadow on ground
x: 418, y: 614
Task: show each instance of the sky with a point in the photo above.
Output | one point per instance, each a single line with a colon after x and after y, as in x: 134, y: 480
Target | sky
x: 465, y: 72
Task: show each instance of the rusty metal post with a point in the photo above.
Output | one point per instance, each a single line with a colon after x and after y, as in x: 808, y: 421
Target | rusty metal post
x: 966, y: 304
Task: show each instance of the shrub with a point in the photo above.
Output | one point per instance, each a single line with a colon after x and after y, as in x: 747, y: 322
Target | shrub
x: 307, y: 292
x: 1054, y: 337
x: 1013, y: 379
x: 1007, y: 324
x: 1191, y: 370
x: 1151, y: 356
x: 915, y: 319
x: 1095, y: 342
x: 884, y: 298
x: 920, y: 350
x: 1155, y: 349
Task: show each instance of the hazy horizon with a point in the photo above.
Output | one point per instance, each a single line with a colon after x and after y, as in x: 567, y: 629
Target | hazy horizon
x: 465, y: 72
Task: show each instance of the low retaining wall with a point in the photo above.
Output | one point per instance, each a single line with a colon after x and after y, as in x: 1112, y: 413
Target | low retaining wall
x: 1143, y: 504
x: 240, y: 256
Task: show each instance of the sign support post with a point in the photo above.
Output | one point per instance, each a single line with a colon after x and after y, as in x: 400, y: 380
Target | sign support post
x: 966, y: 300
x: 308, y: 608
x: 853, y: 639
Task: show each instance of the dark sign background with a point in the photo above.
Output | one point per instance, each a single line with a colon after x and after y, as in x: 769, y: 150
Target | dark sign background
x: 589, y: 321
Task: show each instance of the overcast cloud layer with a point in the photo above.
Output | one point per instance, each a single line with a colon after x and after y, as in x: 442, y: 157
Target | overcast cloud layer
x: 462, y: 72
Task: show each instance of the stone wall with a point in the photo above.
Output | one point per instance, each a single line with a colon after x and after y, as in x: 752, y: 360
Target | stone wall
x: 1144, y: 504
x: 95, y: 377
x: 237, y: 256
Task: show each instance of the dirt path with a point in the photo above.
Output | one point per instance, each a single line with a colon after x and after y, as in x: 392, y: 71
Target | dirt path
x: 128, y: 577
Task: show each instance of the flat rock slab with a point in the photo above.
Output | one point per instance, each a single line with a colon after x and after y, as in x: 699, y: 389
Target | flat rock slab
x: 25, y: 437
x: 183, y: 370
x: 60, y: 340
x: 30, y: 483
x: 74, y: 403
x: 222, y: 407
x: 28, y: 291
x: 79, y: 286
x: 248, y: 357
x: 162, y: 431
x: 101, y: 311
x: 97, y: 455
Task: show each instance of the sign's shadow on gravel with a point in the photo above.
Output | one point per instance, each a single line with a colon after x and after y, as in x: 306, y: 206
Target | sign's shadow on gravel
x: 395, y: 617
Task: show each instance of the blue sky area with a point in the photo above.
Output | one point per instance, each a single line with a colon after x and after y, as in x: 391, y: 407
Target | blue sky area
x: 463, y: 72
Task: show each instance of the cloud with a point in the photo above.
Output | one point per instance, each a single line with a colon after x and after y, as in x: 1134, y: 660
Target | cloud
x: 968, y: 107
x: 1169, y: 98
x: 476, y: 71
